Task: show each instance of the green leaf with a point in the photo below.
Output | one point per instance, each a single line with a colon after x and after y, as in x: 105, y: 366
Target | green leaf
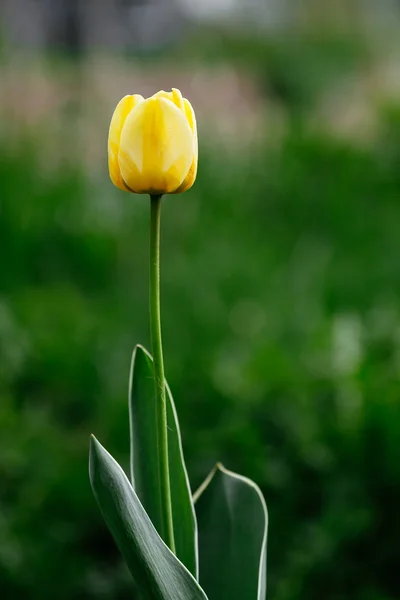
x: 157, y: 572
x: 144, y: 462
x: 232, y: 520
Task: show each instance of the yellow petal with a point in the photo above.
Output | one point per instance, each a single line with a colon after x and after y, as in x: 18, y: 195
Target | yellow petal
x: 177, y: 99
x: 191, y: 176
x: 163, y: 94
x: 118, y: 119
x: 156, y: 147
x: 175, y: 96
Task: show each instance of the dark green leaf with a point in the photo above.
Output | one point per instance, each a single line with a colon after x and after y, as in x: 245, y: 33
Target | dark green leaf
x: 157, y: 572
x: 144, y: 461
x: 232, y: 519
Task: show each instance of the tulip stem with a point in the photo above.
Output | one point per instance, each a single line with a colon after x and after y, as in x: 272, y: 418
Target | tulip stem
x: 159, y: 380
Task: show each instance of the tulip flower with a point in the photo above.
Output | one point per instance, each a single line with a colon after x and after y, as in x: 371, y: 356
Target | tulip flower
x: 163, y: 530
x: 152, y: 144
x: 152, y: 149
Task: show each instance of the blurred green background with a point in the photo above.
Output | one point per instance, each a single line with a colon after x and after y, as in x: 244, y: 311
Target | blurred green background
x: 280, y: 280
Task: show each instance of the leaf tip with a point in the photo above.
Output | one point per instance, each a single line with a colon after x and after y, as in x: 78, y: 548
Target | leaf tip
x: 206, y: 482
x: 139, y: 353
x: 96, y: 452
x: 142, y: 350
x: 93, y: 441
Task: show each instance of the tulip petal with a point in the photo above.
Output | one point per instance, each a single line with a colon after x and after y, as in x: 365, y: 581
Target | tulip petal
x: 156, y: 147
x: 175, y: 96
x: 118, y: 119
x: 191, y: 176
x: 177, y: 99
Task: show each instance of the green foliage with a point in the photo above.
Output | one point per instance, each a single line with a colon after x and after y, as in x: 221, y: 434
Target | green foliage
x: 157, y: 572
x: 233, y: 521
x: 230, y: 508
x: 145, y: 474
x: 281, y: 319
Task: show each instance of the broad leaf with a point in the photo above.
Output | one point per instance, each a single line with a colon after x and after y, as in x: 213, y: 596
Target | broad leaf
x: 144, y: 462
x: 232, y: 520
x: 157, y: 572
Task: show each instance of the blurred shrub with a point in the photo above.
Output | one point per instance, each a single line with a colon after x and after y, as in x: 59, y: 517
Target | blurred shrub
x: 281, y: 310
x: 291, y: 67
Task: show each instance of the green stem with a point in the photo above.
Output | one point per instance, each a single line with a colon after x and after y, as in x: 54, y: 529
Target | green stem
x: 159, y: 379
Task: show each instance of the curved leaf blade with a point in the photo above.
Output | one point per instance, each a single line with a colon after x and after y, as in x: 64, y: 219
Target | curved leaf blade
x: 232, y: 520
x: 157, y: 572
x: 144, y: 463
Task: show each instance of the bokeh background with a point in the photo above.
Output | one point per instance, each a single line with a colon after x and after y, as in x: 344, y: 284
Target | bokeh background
x: 280, y: 279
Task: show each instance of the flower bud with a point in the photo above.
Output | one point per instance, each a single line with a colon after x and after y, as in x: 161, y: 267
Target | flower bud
x: 152, y: 144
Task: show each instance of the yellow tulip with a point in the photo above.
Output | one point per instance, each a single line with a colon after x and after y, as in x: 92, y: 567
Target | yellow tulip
x: 152, y: 144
